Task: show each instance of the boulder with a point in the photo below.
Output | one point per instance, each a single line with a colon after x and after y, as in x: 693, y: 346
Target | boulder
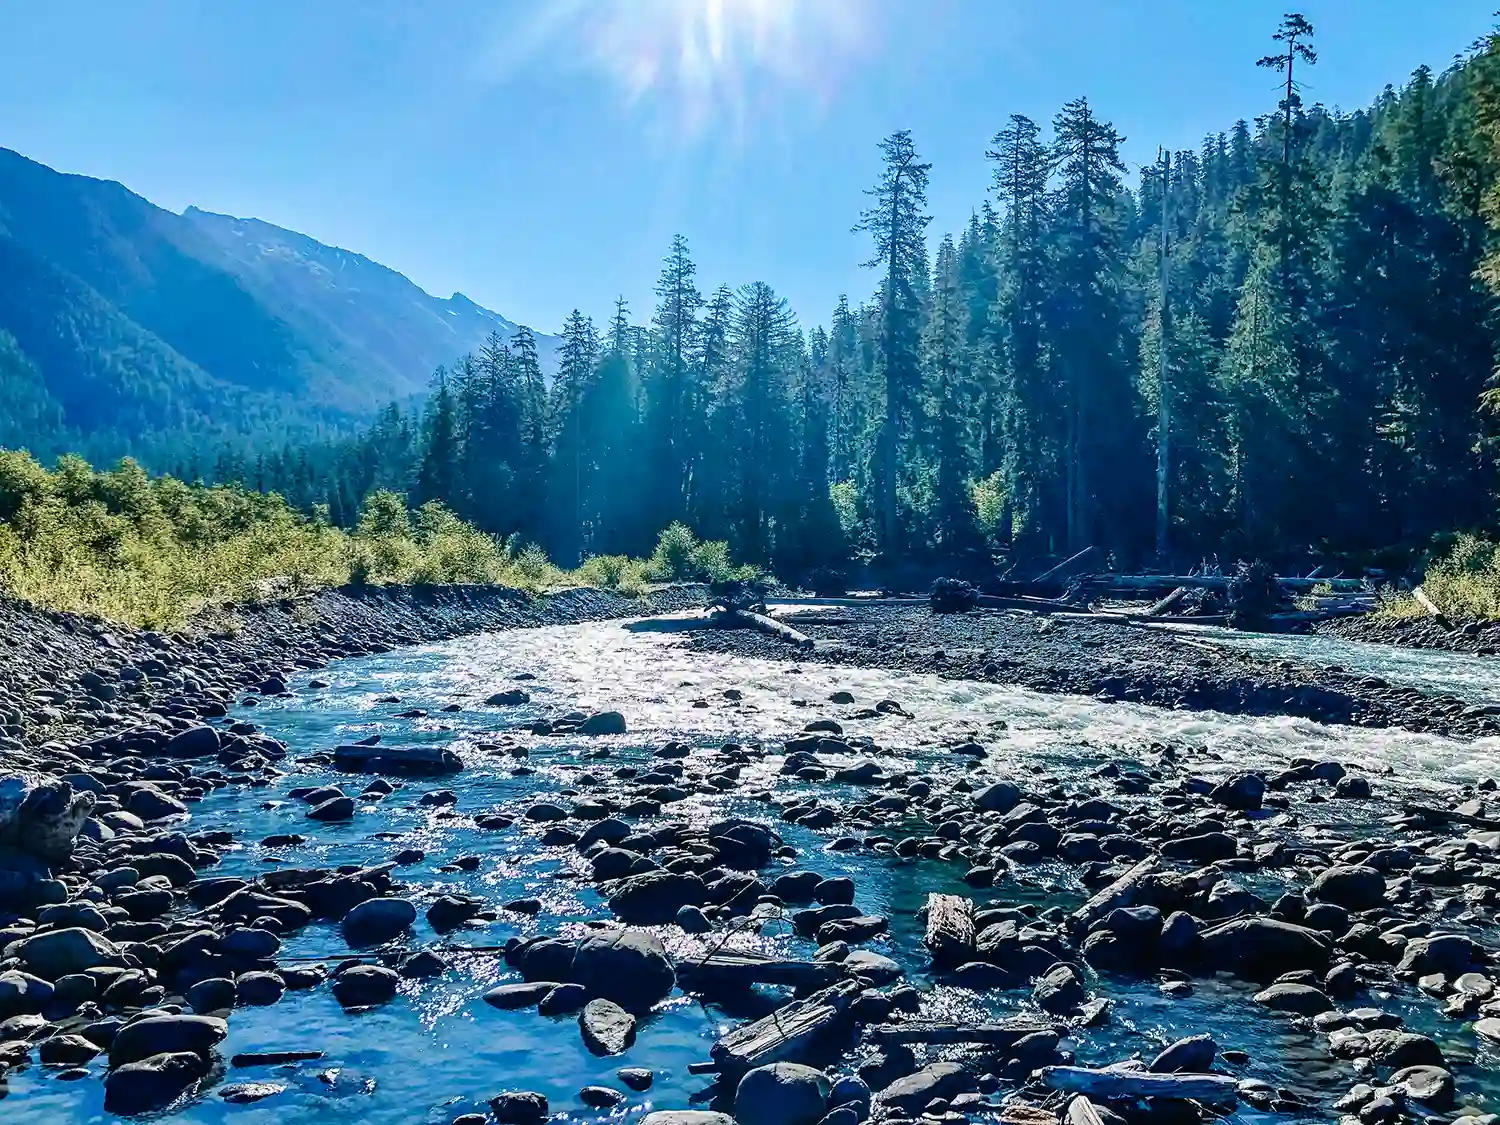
x: 781, y: 1093
x: 1059, y: 991
x: 628, y: 966
x: 216, y: 994
x: 195, y: 742
x: 57, y: 953
x: 654, y: 898
x: 41, y: 815
x: 519, y: 1107
x: 1429, y: 1086
x: 1449, y: 954
x: 686, y: 1117
x: 935, y: 1080
x: 22, y: 994
x: 401, y: 761
x: 166, y: 1034
x: 1299, y: 999
x: 1263, y: 948
x: 1354, y: 888
x: 333, y: 809
x: 512, y: 697
x: 1244, y: 792
x: 999, y: 797
x: 152, y: 1083
x: 607, y: 1028
x: 1193, y: 1055
x: 364, y: 986
x: 377, y: 920
x: 603, y: 722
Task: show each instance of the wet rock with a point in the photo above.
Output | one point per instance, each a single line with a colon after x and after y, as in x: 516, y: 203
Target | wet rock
x: 874, y: 967
x: 686, y: 1117
x: 600, y: 1097
x: 935, y: 1080
x: 1387, y: 1047
x: 449, y: 912
x: 563, y: 1000
x: 333, y: 809
x: 781, y: 1093
x: 1429, y: 1086
x: 215, y: 994
x: 152, y: 1083
x: 637, y: 1078
x: 1205, y: 847
x: 654, y: 898
x: 1059, y: 991
x: 517, y: 995
x: 60, y: 952
x: 603, y: 722
x: 364, y: 986
x: 67, y: 1050
x: 1000, y: 797
x: 1192, y: 1055
x: 1299, y: 999
x: 259, y: 989
x: 513, y: 697
x: 22, y: 994
x: 1261, y: 948
x: 627, y: 966
x: 166, y: 1034
x: 519, y: 1107
x: 247, y: 1093
x: 1244, y: 792
x: 195, y: 742
x: 377, y: 920
x: 1354, y: 888
x: 1449, y: 954
x: 607, y: 1028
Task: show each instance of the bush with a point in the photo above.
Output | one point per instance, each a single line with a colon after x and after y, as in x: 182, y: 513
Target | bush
x: 1464, y: 583
x: 680, y: 556
x: 614, y: 572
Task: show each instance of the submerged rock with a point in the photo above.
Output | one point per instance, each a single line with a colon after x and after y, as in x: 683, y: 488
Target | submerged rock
x: 782, y: 1093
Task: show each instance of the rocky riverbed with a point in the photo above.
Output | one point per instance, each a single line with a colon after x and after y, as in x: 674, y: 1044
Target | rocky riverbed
x: 1107, y: 661
x: 1481, y: 638
x: 551, y: 871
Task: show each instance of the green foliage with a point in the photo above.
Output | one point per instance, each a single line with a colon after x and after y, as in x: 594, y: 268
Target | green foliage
x: 1464, y: 583
x: 614, y: 572
x: 990, y: 510
x: 680, y: 556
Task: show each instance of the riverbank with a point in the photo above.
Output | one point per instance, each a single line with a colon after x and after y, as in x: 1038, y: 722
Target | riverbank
x: 1475, y: 638
x: 1108, y: 661
x: 64, y: 677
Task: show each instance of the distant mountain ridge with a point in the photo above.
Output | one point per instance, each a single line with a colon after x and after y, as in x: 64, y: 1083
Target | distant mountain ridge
x: 126, y: 328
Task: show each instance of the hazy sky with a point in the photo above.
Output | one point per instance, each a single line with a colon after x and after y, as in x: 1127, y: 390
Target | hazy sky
x: 539, y: 154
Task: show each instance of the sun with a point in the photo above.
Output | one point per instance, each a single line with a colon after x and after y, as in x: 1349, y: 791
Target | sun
x: 706, y: 61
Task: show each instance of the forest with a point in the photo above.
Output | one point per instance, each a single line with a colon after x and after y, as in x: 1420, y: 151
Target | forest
x: 1279, y: 344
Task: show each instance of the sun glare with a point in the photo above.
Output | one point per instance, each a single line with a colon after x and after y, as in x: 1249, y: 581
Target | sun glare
x: 703, y: 61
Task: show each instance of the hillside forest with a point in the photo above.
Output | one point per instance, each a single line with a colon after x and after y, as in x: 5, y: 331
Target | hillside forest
x: 1282, y: 341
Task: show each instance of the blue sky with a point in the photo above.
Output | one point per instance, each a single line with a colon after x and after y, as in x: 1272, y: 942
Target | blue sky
x: 539, y: 154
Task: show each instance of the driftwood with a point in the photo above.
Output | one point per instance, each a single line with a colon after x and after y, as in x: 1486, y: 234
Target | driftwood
x: 950, y: 929
x: 729, y: 618
x: 729, y: 969
x: 1004, y: 1034
x: 1062, y: 567
x: 1443, y: 816
x: 1167, y: 582
x: 1081, y: 1111
x: 1121, y: 892
x: 1428, y: 604
x: 788, y: 1034
x: 1171, y: 601
x: 1220, y: 1089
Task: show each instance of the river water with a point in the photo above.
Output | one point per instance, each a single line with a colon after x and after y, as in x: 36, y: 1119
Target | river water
x: 438, y: 1050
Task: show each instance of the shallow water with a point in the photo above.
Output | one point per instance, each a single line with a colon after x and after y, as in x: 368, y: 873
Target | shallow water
x: 1474, y: 679
x: 438, y: 1050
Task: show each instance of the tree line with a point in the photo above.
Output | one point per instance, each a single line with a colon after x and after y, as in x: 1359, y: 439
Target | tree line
x: 1283, y: 339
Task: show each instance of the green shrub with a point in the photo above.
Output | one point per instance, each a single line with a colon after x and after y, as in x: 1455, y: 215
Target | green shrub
x: 1464, y: 583
x: 613, y: 572
x: 680, y: 556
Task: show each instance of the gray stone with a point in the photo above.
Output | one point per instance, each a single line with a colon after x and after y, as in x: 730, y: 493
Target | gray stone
x: 603, y: 722
x: 377, y: 920
x: 1192, y: 1055
x: 1264, y: 947
x: 1299, y: 999
x: 627, y: 966
x: 41, y: 815
x: 935, y: 1080
x: 1354, y: 888
x: 781, y: 1093
x: 519, y: 1107
x: 364, y: 986
x: 152, y: 1083
x: 607, y: 1028
x: 60, y: 952
x: 166, y: 1034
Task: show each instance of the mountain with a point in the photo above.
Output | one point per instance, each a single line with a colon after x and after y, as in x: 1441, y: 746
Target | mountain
x: 126, y: 328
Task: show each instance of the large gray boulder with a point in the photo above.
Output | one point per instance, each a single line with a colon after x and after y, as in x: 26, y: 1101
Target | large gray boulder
x: 607, y: 1028
x: 166, y: 1034
x: 630, y: 967
x: 57, y: 953
x: 1354, y: 888
x: 781, y: 1093
x: 654, y: 898
x: 1263, y: 948
x: 377, y: 920
x: 41, y: 815
x: 152, y: 1083
x: 935, y: 1080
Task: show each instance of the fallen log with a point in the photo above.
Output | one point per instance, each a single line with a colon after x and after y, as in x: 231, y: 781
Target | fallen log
x: 1429, y: 605
x: 789, y: 1034
x: 1121, y: 892
x: 1004, y: 1034
x: 1171, y: 601
x: 1062, y: 567
x: 950, y: 929
x: 1081, y: 1111
x: 1219, y: 1089
x: 729, y: 618
x: 731, y: 969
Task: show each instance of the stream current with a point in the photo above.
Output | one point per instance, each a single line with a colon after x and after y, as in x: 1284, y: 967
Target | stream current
x: 438, y: 1050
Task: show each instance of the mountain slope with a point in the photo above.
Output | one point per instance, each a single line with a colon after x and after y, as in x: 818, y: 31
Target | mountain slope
x: 142, y: 329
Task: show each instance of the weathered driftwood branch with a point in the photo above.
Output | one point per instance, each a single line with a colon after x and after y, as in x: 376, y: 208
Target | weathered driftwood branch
x: 728, y: 618
x: 1171, y: 601
x: 1081, y: 1111
x: 950, y: 929
x: 1004, y: 1034
x: 1428, y: 604
x: 1121, y: 892
x: 1063, y: 566
x: 726, y: 968
x: 786, y: 1035
x: 1220, y: 1089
